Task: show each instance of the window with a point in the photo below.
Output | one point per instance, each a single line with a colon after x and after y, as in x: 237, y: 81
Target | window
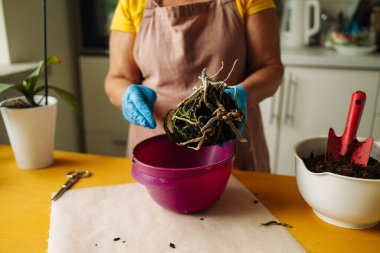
x: 4, y: 50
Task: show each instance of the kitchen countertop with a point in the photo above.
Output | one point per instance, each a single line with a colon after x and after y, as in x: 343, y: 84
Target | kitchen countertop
x: 318, y: 57
x: 321, y: 57
x: 25, y: 203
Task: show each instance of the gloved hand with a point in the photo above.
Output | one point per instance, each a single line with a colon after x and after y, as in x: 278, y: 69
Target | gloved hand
x: 241, y: 100
x: 137, y: 105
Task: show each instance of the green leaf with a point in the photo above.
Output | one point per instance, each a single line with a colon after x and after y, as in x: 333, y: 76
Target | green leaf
x: 22, y: 89
x: 31, y: 80
x: 65, y: 95
x: 41, y: 67
x: 273, y: 222
x: 5, y: 86
x: 28, y: 94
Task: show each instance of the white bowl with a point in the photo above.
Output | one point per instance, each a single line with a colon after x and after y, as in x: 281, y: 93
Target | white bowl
x: 339, y: 200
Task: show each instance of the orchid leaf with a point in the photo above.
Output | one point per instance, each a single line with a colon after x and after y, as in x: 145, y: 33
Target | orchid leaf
x: 5, y: 86
x: 28, y: 94
x: 273, y: 222
x: 32, y: 79
x: 65, y: 95
x: 22, y: 89
x: 29, y: 89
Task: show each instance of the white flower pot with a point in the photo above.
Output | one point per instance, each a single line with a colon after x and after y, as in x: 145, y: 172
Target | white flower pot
x: 343, y: 201
x: 31, y: 132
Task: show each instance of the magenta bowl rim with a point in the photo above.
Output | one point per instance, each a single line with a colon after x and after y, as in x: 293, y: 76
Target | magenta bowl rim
x: 134, y: 159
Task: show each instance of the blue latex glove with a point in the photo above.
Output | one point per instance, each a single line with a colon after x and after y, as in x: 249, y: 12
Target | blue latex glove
x: 241, y: 100
x: 137, y: 105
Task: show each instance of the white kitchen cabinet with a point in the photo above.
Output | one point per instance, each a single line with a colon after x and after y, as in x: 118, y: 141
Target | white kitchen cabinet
x: 104, y: 126
x: 270, y: 109
x: 376, y: 125
x: 376, y: 128
x: 309, y: 102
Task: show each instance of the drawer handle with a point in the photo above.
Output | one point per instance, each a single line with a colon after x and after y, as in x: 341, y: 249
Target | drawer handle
x: 272, y: 114
x: 274, y: 108
x: 288, y: 114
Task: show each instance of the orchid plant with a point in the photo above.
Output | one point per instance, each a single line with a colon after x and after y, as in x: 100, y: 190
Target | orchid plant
x: 29, y: 88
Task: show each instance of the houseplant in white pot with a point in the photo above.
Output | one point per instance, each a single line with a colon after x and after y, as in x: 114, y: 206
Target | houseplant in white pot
x: 31, y: 118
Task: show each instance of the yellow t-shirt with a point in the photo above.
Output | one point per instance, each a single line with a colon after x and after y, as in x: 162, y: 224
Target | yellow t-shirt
x: 128, y: 13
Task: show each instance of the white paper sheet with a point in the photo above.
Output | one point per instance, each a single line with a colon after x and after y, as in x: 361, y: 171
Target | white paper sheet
x: 91, y: 220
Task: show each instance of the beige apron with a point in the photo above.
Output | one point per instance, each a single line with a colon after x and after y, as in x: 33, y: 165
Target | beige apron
x: 174, y: 44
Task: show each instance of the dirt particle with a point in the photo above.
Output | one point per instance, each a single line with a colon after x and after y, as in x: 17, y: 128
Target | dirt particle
x: 116, y: 239
x: 172, y: 245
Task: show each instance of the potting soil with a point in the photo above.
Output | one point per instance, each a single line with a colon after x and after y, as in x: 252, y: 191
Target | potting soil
x: 343, y: 167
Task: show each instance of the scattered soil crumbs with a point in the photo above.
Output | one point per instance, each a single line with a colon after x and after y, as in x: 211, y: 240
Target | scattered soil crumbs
x: 116, y: 239
x: 172, y: 245
x: 343, y: 167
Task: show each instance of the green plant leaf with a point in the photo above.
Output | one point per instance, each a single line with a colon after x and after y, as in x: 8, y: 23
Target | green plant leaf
x: 20, y: 88
x: 5, y: 86
x: 65, y: 95
x: 31, y: 80
x: 28, y: 94
x: 273, y: 222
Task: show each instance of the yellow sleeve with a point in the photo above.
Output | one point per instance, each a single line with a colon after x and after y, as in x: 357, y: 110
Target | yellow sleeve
x: 249, y: 7
x: 127, y: 16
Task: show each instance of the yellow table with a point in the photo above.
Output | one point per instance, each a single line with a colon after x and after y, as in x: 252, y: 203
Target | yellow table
x: 25, y: 203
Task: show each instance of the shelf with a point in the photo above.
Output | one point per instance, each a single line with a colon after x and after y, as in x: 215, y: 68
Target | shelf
x: 15, y: 68
x: 321, y: 57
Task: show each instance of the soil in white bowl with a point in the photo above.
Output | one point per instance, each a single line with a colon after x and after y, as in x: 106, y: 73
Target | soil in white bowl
x: 317, y: 164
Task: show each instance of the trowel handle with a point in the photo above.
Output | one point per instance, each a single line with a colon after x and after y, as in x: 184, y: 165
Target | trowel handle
x: 353, y: 119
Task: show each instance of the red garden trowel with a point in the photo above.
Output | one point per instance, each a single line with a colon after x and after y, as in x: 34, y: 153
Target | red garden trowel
x: 347, y: 145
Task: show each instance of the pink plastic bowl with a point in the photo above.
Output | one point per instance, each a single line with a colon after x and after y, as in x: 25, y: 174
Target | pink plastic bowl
x: 181, y: 179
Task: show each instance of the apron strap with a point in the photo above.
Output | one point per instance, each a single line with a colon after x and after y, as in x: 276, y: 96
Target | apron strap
x: 152, y: 4
x: 227, y: 1
x: 149, y: 8
x: 156, y: 3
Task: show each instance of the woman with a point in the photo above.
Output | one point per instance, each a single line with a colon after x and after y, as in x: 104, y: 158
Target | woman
x: 159, y: 48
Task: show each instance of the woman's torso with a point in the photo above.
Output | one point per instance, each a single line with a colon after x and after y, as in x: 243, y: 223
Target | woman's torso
x: 175, y: 43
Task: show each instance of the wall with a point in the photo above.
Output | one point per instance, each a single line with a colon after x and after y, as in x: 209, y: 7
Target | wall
x: 4, y: 52
x: 23, y: 21
x: 334, y: 7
